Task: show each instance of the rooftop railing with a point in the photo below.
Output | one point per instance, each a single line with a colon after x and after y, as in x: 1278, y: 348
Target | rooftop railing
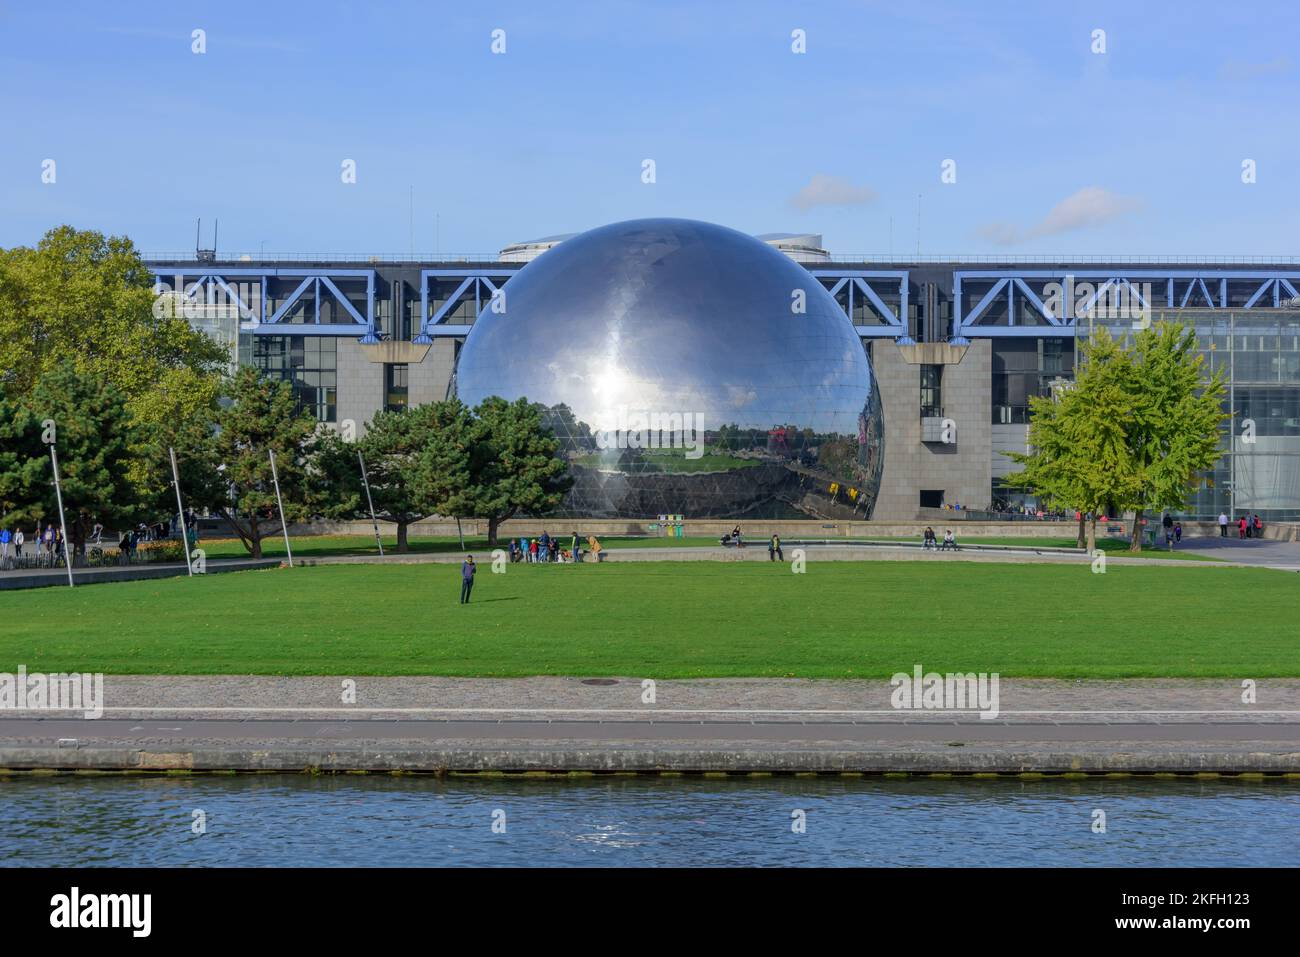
x: 271, y: 259
x: 872, y: 258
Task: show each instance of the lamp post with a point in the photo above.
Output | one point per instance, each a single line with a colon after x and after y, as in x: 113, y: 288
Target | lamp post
x: 366, y: 482
x: 284, y: 526
x: 180, y: 510
x: 58, y: 494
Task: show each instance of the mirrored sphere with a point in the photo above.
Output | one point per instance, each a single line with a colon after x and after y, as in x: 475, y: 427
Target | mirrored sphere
x: 688, y: 369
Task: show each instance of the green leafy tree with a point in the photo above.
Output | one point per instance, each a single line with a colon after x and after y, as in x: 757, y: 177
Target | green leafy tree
x: 93, y: 434
x: 229, y: 467
x: 1175, y: 429
x: 1132, y: 431
x: 82, y: 298
x: 1078, y: 436
x: 513, y: 464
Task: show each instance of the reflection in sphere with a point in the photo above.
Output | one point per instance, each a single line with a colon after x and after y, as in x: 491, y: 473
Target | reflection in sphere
x: 686, y: 369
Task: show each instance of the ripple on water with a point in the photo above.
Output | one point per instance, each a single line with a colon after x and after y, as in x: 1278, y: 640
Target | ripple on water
x: 352, y: 821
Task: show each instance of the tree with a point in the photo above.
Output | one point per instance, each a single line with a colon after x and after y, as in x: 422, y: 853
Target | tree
x: 93, y: 434
x: 87, y: 299
x: 1174, y: 431
x: 513, y: 464
x: 1132, y: 431
x: 446, y: 463
x: 1080, y: 457
x: 24, y: 464
x: 405, y: 485
x: 233, y: 459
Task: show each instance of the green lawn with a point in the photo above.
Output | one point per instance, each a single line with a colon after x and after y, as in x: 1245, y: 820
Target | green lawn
x: 671, y: 619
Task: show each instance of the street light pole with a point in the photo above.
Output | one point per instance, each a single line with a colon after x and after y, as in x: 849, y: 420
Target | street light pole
x: 366, y: 482
x: 185, y: 534
x: 58, y: 494
x: 280, y: 504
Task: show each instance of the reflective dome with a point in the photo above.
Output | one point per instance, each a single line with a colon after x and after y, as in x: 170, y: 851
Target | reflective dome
x: 687, y: 369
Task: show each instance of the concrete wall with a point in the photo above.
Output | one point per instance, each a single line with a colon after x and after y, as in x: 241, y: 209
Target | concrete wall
x: 360, y: 384
x: 361, y: 375
x: 962, y: 469
x: 430, y: 379
x: 756, y: 530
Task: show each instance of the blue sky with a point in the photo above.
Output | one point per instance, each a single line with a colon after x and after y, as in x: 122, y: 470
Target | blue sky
x: 1137, y: 150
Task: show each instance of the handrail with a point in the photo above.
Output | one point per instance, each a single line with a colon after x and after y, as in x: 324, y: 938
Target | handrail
x: 189, y: 256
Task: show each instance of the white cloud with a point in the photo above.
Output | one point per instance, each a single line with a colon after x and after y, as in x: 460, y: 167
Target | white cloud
x: 1090, y: 206
x: 823, y: 190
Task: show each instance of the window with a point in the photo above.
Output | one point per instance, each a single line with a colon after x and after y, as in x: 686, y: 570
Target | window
x: 1023, y: 368
x: 308, y: 364
x: 395, y: 388
x: 931, y: 392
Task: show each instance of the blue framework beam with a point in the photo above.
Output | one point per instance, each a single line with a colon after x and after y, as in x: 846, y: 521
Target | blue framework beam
x: 257, y: 320
x: 435, y: 326
x: 865, y: 281
x: 1198, y: 283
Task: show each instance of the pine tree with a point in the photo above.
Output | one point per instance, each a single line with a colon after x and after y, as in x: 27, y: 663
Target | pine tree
x: 404, y: 486
x: 94, y: 435
x: 261, y: 416
x: 513, y: 464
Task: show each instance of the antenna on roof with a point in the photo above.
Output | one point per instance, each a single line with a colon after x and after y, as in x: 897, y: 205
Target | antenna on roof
x: 200, y: 254
x: 918, y: 226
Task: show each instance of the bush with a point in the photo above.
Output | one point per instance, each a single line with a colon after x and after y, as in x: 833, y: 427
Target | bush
x: 166, y: 551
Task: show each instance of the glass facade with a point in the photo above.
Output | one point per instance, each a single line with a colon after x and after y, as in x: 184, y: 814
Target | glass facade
x: 395, y: 386
x: 684, y: 374
x: 1027, y: 367
x: 308, y: 363
x: 931, y: 391
x: 1258, y: 352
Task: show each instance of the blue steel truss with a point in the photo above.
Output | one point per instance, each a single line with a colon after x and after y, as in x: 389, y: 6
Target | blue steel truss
x: 479, y: 284
x: 1182, y: 288
x: 253, y: 316
x: 870, y: 283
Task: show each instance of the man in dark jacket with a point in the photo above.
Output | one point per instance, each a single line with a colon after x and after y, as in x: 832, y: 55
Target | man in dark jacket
x: 467, y: 569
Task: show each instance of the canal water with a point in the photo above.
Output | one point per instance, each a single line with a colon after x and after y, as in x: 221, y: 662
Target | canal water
x: 352, y: 821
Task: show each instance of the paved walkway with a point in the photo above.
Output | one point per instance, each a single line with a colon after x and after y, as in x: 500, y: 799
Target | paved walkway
x: 52, y: 577
x: 270, y: 723
x: 1222, y: 553
x: 1032, y: 700
x: 1225, y: 553
x: 1249, y: 551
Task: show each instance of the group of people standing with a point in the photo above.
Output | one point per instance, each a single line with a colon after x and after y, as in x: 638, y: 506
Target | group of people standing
x: 47, y: 545
x: 549, y: 549
x: 1247, y: 526
x: 544, y: 548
